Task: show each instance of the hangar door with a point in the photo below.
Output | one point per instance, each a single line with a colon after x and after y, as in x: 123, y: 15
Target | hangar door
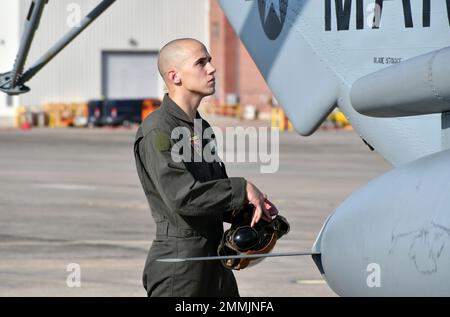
x: 129, y: 75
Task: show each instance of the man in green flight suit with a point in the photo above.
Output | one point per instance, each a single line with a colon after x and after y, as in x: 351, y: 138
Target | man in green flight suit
x: 189, y: 199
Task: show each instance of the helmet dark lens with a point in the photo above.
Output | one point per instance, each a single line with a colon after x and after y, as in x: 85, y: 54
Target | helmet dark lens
x: 245, y: 238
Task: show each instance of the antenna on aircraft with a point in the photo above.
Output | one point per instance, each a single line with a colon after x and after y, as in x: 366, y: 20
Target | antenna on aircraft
x: 13, y: 82
x: 241, y: 256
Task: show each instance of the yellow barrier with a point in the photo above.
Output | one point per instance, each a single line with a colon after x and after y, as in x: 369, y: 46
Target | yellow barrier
x: 21, y: 116
x: 63, y: 115
x: 222, y: 110
x: 280, y: 120
x: 229, y: 110
x: 338, y: 119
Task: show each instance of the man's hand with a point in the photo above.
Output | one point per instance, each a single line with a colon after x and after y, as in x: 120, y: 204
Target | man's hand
x: 270, y: 207
x: 263, y: 207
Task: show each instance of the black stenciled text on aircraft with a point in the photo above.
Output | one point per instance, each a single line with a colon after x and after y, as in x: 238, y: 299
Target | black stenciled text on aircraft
x: 344, y: 11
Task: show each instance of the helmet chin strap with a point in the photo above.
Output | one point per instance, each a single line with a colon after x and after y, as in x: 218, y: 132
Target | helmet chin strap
x: 241, y: 256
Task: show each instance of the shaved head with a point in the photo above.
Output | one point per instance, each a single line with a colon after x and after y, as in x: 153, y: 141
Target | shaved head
x: 186, y: 68
x: 174, y: 53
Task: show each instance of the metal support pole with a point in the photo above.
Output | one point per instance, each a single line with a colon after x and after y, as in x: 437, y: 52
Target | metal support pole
x: 13, y: 82
x: 31, y: 25
x: 65, y: 40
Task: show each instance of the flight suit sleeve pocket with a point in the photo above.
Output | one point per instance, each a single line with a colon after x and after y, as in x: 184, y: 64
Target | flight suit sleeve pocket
x: 162, y: 228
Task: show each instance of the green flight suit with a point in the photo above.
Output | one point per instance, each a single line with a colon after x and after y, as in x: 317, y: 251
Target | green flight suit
x: 189, y: 202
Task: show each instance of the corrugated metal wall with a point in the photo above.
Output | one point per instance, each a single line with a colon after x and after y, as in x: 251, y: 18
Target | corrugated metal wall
x: 75, y: 74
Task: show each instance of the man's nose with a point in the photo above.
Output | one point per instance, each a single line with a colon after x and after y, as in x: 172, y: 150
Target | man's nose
x: 211, y: 69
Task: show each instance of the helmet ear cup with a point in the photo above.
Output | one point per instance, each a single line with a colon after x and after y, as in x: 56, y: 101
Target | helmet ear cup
x: 280, y: 226
x: 224, y: 250
x: 243, y: 239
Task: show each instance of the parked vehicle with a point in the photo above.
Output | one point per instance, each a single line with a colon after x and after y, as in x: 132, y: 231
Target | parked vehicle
x: 95, y: 110
x: 148, y: 106
x: 116, y: 112
x: 122, y: 112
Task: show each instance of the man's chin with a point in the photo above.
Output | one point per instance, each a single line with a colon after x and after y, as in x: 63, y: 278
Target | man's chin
x: 206, y: 92
x: 211, y: 92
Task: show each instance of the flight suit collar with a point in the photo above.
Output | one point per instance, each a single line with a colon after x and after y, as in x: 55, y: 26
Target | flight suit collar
x: 172, y: 108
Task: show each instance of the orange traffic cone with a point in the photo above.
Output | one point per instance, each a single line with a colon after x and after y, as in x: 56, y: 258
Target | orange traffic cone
x: 25, y: 126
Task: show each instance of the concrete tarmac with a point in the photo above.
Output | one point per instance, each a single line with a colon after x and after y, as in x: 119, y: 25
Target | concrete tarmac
x: 73, y: 196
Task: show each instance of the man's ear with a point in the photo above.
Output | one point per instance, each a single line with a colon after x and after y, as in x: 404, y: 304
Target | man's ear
x: 174, y: 77
x: 177, y: 79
